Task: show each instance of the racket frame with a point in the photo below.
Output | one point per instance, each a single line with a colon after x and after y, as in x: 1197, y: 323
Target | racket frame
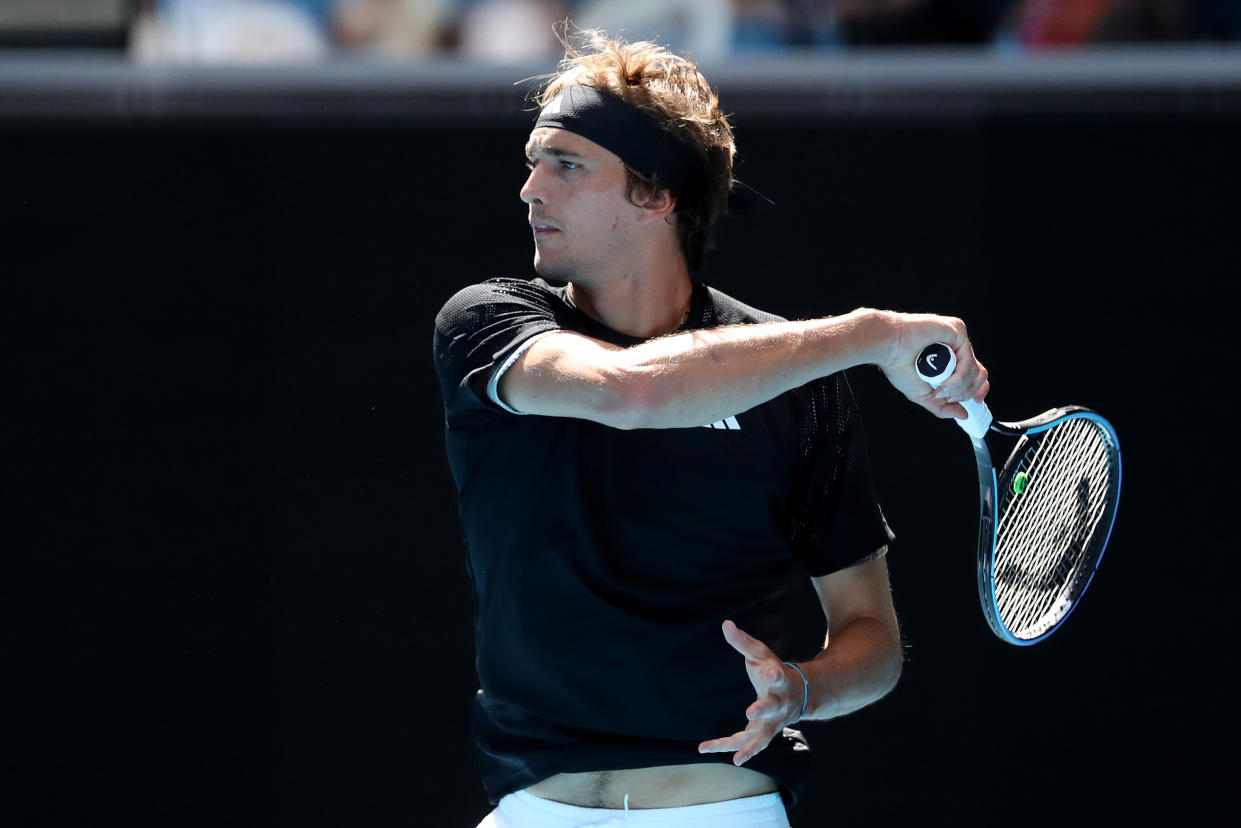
x: 988, y: 493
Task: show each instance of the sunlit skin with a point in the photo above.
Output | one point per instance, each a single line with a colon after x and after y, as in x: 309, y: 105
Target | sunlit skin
x: 622, y: 260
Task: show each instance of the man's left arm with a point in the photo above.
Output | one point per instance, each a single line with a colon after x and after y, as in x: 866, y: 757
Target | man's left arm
x: 859, y: 664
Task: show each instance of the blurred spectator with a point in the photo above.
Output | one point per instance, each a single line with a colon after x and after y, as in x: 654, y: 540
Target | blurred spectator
x: 701, y: 28
x: 397, y: 28
x: 763, y: 25
x: 1079, y: 22
x: 710, y: 30
x: 65, y: 24
x: 229, y: 31
x: 510, y: 31
x: 1057, y: 23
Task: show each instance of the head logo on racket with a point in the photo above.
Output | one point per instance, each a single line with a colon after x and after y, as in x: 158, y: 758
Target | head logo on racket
x: 936, y: 360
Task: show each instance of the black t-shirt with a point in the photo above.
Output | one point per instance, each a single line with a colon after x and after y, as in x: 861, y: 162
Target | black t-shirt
x: 604, y: 561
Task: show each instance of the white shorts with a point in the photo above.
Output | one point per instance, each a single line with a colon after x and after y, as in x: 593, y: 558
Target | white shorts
x: 524, y: 810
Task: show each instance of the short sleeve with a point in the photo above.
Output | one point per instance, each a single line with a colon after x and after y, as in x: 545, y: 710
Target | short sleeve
x: 837, y: 520
x: 476, y: 331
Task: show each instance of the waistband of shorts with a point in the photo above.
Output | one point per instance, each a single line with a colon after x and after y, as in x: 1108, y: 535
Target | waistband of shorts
x: 639, y: 815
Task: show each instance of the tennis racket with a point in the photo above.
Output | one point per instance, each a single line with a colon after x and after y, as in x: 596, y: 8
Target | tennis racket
x: 1045, y: 517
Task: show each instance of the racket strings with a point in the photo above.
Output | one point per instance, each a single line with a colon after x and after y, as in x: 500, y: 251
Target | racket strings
x: 1049, y: 536
x: 1053, y: 466
x: 1045, y: 531
x: 1049, y: 527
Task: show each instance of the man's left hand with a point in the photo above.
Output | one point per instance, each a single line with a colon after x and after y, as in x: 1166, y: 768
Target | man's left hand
x: 779, y: 690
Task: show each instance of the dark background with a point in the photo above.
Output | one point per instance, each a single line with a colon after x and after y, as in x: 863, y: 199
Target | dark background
x: 239, y: 584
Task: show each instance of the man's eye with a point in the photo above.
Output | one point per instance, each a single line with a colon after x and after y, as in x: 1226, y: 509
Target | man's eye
x: 562, y: 163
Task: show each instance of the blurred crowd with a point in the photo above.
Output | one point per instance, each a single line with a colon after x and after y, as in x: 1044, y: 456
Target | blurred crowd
x: 710, y: 30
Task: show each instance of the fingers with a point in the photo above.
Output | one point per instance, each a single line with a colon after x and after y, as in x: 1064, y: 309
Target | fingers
x: 724, y: 745
x: 768, y: 713
x: 984, y: 388
x: 976, y: 393
x: 746, y: 644
x: 968, y: 382
x: 966, y: 379
x: 747, y: 743
x: 908, y: 335
x: 767, y: 708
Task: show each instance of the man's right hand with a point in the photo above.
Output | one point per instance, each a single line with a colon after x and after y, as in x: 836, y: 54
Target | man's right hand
x: 904, y: 336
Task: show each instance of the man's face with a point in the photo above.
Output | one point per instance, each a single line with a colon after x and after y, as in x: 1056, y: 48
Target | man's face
x: 580, y: 214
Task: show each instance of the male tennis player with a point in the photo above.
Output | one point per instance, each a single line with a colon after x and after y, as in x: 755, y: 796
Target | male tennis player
x: 641, y: 461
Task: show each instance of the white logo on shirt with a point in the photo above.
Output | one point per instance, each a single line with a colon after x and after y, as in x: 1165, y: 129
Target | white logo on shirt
x: 730, y: 424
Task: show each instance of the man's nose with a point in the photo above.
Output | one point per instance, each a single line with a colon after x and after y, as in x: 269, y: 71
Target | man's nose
x: 532, y: 190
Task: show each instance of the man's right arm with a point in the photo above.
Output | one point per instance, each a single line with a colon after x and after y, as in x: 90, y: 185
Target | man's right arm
x: 695, y: 377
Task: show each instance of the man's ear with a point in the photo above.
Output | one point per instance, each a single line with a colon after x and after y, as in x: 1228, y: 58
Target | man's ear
x: 658, y: 205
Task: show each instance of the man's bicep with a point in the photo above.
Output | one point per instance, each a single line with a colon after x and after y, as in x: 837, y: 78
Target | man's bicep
x: 566, y: 374
x: 862, y: 590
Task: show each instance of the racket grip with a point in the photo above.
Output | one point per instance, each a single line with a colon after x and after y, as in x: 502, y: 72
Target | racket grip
x: 934, y: 365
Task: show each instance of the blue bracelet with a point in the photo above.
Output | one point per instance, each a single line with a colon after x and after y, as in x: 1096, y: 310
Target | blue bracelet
x: 805, y: 697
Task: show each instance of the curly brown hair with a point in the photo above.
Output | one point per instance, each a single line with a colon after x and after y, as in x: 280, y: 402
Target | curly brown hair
x: 670, y: 88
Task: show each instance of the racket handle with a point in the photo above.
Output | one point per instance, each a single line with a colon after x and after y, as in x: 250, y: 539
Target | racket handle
x: 934, y: 365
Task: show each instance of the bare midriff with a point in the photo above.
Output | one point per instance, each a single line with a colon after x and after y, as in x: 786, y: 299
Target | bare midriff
x: 670, y: 786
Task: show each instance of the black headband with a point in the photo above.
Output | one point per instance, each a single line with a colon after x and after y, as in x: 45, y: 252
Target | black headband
x: 637, y: 139
x: 628, y: 132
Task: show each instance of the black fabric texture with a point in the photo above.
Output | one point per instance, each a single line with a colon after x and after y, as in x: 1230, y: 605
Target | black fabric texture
x: 604, y: 561
x: 628, y: 132
x: 637, y: 139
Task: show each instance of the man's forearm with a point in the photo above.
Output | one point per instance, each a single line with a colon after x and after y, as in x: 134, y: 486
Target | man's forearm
x: 698, y: 377
x: 861, y: 663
